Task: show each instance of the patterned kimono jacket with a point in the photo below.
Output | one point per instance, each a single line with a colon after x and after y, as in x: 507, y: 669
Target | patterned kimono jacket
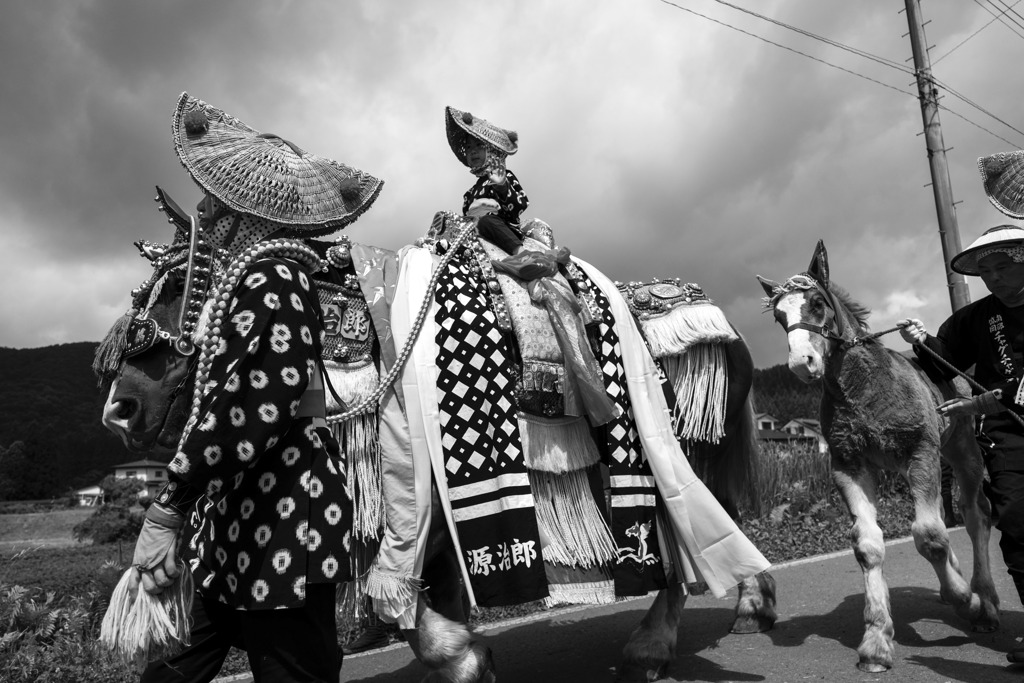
x: 276, y: 516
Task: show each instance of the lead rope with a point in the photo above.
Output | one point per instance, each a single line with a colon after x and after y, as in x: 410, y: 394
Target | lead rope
x: 857, y: 341
x: 421, y: 316
x: 970, y: 380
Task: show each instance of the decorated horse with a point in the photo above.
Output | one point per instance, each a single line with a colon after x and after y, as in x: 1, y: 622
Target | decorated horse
x: 878, y: 414
x: 477, y: 471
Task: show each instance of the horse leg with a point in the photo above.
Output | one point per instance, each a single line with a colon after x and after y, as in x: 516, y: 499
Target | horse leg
x: 652, y: 645
x: 932, y: 539
x: 441, y: 639
x: 977, y: 511
x: 858, y: 490
x: 755, y: 605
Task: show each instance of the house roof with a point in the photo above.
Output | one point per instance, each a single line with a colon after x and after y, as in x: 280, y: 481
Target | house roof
x: 89, y: 490
x: 141, y: 463
x: 776, y: 435
x: 807, y: 422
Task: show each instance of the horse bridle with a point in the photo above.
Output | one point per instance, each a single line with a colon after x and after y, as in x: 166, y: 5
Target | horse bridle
x: 824, y: 329
x: 144, y: 333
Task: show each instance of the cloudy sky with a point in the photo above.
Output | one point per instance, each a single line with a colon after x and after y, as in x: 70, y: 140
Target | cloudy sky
x: 656, y: 141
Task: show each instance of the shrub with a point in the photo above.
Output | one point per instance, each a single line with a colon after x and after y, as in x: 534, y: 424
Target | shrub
x: 49, y: 637
x: 114, y: 520
x: 109, y: 524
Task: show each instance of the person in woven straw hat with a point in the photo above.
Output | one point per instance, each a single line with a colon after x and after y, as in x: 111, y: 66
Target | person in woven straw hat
x: 989, y: 334
x: 497, y: 201
x: 270, y: 545
x: 496, y: 197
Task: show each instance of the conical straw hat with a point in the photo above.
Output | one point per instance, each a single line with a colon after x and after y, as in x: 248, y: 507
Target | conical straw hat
x: 1003, y: 177
x: 462, y: 127
x: 999, y: 238
x: 265, y: 175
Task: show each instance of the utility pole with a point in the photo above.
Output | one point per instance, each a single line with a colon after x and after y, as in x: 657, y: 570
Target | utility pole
x: 928, y: 93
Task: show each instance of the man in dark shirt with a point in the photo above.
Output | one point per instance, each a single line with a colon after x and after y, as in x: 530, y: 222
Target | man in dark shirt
x: 989, y: 334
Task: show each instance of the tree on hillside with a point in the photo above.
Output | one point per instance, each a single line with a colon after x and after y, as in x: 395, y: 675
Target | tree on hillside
x: 23, y: 473
x: 779, y: 392
x: 50, y: 401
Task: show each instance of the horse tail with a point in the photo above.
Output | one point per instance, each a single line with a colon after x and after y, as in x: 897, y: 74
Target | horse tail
x: 729, y: 467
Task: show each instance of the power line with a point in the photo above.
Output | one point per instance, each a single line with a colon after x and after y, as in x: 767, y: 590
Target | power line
x: 1004, y: 10
x: 1009, y: 8
x: 867, y: 55
x: 999, y: 17
x: 971, y: 103
x: 856, y: 51
x: 958, y: 45
x: 793, y: 50
x: 980, y: 127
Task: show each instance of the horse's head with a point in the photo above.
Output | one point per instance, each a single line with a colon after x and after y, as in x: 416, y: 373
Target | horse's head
x: 817, y: 315
x: 147, y: 358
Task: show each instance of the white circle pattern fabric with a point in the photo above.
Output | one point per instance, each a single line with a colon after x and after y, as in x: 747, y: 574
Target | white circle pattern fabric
x: 280, y: 514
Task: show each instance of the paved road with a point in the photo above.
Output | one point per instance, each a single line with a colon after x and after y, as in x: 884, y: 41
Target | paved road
x: 815, y: 639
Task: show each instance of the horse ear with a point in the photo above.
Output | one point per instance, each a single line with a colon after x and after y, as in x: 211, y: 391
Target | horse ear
x: 770, y: 286
x: 819, y: 265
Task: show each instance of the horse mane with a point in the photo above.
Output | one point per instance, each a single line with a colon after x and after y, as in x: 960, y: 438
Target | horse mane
x: 857, y: 310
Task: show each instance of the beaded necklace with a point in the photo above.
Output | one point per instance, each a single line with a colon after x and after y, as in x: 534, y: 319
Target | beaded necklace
x: 285, y: 248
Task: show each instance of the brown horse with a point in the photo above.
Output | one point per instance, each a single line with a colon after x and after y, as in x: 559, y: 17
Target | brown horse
x: 878, y: 413
x: 148, y: 401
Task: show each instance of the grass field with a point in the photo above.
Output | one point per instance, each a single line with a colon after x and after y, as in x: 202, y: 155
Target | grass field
x: 40, y: 529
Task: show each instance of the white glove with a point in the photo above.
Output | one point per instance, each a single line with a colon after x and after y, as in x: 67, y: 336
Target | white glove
x: 155, y: 563
x: 912, y: 330
x: 482, y: 207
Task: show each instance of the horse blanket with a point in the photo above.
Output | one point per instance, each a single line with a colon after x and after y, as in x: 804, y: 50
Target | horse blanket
x: 462, y: 432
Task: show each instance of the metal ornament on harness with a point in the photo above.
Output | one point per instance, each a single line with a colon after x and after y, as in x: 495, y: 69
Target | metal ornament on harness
x: 197, y: 259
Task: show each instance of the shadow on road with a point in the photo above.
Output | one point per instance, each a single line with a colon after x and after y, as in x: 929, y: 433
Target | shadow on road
x: 816, y: 638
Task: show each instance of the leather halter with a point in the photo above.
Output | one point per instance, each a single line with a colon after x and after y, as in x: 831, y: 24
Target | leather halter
x: 825, y: 330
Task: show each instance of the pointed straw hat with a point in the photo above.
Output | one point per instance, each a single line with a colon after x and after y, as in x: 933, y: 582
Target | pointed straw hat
x: 265, y: 175
x: 463, y: 128
x: 1003, y: 177
x: 1008, y: 238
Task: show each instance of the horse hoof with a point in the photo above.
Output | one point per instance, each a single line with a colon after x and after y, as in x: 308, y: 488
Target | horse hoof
x: 873, y: 667
x: 633, y: 673
x: 752, y: 624
x: 985, y: 626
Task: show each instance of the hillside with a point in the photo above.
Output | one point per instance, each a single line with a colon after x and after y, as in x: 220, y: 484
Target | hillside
x: 51, y: 439
x: 777, y: 391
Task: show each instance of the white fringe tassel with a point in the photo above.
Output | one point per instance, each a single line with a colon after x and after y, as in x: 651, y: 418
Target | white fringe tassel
x: 682, y: 327
x: 392, y: 589
x: 353, y: 382
x: 360, y: 440
x: 152, y: 626
x: 576, y: 533
x: 699, y: 378
x: 557, y: 445
x: 592, y: 593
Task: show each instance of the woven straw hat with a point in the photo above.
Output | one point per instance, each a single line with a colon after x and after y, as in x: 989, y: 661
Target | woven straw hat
x: 1003, y: 177
x: 463, y: 127
x: 265, y: 175
x: 1000, y: 237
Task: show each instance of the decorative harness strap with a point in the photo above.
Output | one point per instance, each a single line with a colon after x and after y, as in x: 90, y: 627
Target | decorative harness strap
x: 805, y: 282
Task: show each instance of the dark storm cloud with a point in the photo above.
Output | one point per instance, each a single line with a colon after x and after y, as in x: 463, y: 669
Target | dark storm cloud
x: 656, y: 143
